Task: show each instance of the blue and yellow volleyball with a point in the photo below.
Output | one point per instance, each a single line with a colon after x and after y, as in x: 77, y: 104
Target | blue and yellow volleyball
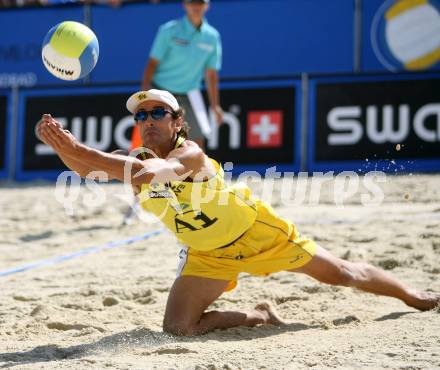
x: 70, y: 50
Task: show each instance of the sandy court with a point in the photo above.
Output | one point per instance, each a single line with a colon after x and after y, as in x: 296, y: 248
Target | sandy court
x: 104, y: 309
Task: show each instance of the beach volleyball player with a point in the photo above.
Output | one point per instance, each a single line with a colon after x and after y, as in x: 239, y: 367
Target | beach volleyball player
x: 229, y: 233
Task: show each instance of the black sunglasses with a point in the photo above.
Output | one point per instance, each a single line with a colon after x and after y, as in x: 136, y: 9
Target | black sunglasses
x: 156, y: 114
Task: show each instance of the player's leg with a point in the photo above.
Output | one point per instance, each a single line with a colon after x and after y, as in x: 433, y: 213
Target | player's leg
x: 190, y: 296
x: 329, y: 269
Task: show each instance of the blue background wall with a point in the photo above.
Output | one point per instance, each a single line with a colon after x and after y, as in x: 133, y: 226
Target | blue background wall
x: 298, y: 36
x: 369, y: 60
x: 21, y: 34
x: 260, y: 38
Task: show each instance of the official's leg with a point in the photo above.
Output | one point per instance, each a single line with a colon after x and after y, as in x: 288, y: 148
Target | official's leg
x: 189, y: 298
x: 329, y: 269
x: 195, y: 133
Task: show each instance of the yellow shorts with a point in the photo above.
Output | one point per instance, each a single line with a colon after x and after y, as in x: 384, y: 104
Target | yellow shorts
x: 272, y: 244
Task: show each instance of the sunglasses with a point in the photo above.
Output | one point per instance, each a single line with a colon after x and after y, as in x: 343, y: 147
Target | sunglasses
x: 156, y: 114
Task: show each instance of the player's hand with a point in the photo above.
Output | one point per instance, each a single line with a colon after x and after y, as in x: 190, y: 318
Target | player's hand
x: 218, y: 111
x: 51, y: 132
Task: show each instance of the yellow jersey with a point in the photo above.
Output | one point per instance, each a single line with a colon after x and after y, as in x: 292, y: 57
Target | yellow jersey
x: 203, y: 215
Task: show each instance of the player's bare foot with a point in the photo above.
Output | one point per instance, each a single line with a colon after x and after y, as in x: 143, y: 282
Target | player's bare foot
x: 423, y: 301
x: 269, y: 313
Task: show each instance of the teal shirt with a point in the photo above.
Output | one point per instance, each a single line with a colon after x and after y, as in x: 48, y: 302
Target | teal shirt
x: 184, y: 53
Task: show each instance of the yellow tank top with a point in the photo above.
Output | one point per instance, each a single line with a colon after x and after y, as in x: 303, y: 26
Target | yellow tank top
x: 203, y: 215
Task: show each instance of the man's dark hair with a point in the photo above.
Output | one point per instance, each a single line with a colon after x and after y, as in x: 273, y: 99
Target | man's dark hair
x: 184, y: 131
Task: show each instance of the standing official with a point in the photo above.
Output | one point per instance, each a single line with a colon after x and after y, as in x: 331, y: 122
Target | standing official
x: 185, y: 51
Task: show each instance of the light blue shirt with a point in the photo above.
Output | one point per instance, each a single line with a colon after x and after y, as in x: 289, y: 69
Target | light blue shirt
x: 184, y: 54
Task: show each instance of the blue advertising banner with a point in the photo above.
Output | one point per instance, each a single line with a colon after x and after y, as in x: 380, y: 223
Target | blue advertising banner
x: 23, y: 31
x: 400, y: 35
x: 95, y: 115
x: 389, y: 123
x: 261, y: 126
x: 5, y: 133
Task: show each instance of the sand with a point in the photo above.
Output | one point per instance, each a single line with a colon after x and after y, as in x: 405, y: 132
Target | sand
x: 104, y: 309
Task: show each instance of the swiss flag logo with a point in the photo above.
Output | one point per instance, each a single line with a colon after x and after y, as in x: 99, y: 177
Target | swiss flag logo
x: 265, y: 129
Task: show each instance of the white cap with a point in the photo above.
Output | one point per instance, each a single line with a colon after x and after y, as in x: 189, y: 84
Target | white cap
x: 152, y: 94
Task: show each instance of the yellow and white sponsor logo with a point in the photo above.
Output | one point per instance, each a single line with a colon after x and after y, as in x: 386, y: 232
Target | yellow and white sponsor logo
x: 406, y: 34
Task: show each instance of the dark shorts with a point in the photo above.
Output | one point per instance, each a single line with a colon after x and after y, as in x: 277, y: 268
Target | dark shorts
x: 195, y: 133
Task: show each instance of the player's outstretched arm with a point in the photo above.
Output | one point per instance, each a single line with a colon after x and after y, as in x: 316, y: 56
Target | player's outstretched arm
x: 186, y: 162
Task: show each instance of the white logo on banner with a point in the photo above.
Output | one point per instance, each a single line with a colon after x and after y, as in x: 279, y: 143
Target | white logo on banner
x: 345, y: 121
x: 230, y: 119
x: 265, y: 128
x: 94, y: 135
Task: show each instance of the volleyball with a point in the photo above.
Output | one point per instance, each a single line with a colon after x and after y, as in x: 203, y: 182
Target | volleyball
x: 70, y: 50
